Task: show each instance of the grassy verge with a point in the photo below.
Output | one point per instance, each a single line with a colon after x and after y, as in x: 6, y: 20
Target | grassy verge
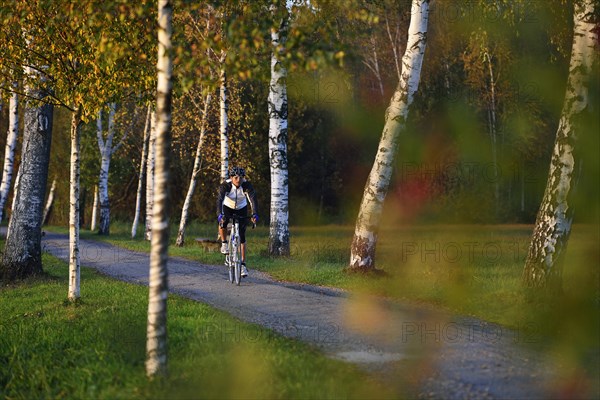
x: 473, y: 270
x: 470, y: 270
x: 50, y: 348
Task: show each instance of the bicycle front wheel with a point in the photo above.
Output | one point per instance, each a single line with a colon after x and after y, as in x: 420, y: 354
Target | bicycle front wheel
x: 238, y: 264
x: 229, y: 264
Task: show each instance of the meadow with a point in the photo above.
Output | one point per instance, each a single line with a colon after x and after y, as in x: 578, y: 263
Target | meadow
x: 95, y: 348
x: 470, y: 270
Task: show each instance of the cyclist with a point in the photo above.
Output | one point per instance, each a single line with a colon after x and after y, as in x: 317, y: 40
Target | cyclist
x: 235, y: 194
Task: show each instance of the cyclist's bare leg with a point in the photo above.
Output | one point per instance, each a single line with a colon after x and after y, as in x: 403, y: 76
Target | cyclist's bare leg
x: 243, y: 248
x: 222, y: 234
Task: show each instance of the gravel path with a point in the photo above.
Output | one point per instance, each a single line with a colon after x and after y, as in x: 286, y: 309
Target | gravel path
x: 438, y: 355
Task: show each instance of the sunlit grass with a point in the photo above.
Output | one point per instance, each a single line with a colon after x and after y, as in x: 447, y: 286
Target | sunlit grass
x: 95, y: 348
x: 469, y: 270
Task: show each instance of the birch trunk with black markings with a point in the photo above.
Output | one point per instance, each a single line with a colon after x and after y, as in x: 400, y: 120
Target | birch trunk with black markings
x: 74, y: 266
x: 279, y: 234
x: 150, y: 165
x: 143, y: 160
x: 543, y: 266
x: 22, y: 255
x: 362, y: 257
x: 224, y: 123
x: 194, y: 179
x: 9, y: 150
x: 156, y: 345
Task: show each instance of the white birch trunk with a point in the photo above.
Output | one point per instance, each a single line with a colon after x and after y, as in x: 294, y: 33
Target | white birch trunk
x: 194, y: 179
x: 543, y: 266
x: 106, y: 150
x: 150, y: 176
x: 138, y: 197
x: 279, y: 234
x: 367, y: 224
x: 22, y: 256
x: 74, y: 267
x: 9, y: 151
x: 373, y: 65
x: 49, y: 203
x: 156, y: 345
x: 14, y: 200
x: 395, y: 50
x: 224, y: 124
x: 493, y: 131
x: 94, y: 222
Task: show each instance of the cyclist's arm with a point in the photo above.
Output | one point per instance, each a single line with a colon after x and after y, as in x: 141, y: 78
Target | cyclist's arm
x: 251, y: 196
x: 221, y: 196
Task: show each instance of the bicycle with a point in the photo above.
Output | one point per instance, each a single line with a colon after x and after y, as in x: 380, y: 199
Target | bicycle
x: 233, y: 260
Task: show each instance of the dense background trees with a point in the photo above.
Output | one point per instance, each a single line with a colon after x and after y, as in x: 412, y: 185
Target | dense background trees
x: 477, y: 144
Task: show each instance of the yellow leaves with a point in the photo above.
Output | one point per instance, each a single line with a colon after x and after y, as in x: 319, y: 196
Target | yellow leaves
x: 365, y: 16
x: 244, y: 75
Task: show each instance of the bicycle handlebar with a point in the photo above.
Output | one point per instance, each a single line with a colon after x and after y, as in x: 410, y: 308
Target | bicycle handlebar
x: 238, y: 217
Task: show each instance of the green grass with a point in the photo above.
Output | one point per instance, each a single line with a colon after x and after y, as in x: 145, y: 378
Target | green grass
x: 95, y: 348
x: 470, y: 270
x: 473, y: 270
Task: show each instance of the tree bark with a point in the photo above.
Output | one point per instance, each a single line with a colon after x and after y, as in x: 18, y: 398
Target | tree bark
x: 9, y: 152
x: 224, y: 123
x: 150, y: 176
x: 22, y: 252
x: 194, y: 179
x: 138, y: 197
x: 156, y: 347
x: 14, y: 200
x: 74, y: 266
x: 543, y: 266
x: 49, y: 203
x: 106, y: 151
x: 362, y: 255
x: 279, y: 234
x: 373, y: 64
x: 492, y: 127
x: 94, y: 210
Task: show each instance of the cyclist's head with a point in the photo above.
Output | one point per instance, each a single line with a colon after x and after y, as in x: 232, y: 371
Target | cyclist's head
x: 237, y: 171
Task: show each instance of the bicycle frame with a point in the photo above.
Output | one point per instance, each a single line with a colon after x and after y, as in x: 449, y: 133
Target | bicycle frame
x: 233, y: 260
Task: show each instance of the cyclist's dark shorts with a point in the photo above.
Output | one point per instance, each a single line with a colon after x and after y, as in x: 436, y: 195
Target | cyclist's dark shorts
x: 242, y: 212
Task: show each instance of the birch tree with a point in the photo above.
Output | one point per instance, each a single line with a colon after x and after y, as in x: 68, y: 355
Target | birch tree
x: 105, y: 145
x: 61, y: 71
x: 279, y: 234
x: 74, y: 258
x: 544, y: 263
x: 9, y: 151
x: 480, y: 59
x: 94, y: 222
x: 364, y: 242
x: 224, y: 120
x: 138, y: 197
x: 22, y: 255
x: 150, y: 168
x: 201, y: 27
x: 156, y: 347
x: 195, y: 172
x: 49, y: 203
